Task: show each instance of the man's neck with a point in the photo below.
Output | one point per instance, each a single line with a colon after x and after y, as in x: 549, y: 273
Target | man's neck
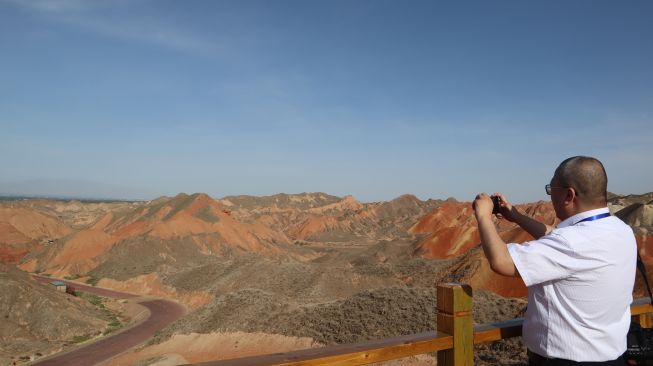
x: 576, y: 209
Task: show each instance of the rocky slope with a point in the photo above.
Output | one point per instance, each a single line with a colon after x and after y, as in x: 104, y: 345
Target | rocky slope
x: 24, y: 230
x: 31, y: 225
x: 168, y: 231
x: 344, y: 296
x: 301, y: 201
x: 626, y: 200
x: 321, y: 218
x: 36, y: 318
x: 451, y: 230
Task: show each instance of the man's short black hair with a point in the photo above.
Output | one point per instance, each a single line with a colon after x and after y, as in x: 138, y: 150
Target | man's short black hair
x: 587, y: 176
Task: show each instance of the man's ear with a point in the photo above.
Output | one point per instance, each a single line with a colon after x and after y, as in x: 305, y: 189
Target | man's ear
x: 570, y: 195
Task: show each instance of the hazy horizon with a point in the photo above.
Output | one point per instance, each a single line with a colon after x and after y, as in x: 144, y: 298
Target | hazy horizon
x: 375, y: 99
x: 85, y: 190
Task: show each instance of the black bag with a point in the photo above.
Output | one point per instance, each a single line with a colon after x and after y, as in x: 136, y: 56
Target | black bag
x: 640, y: 340
x: 640, y: 345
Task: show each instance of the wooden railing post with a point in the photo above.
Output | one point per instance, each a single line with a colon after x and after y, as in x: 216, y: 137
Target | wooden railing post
x: 645, y: 320
x: 454, y: 303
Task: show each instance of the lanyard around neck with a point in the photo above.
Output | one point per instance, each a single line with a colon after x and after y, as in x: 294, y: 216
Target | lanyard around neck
x: 595, y: 217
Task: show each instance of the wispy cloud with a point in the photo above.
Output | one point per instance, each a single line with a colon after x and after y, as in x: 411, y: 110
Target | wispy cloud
x: 53, y: 6
x: 147, y: 33
x: 112, y: 19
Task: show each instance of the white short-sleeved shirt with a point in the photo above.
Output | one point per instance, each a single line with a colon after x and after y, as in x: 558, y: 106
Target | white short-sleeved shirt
x: 580, y: 280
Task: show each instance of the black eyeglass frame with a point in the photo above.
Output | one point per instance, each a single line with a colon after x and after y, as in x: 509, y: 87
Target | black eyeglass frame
x: 548, y: 187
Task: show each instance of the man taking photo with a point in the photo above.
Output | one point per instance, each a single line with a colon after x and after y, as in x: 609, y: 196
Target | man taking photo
x: 580, y: 274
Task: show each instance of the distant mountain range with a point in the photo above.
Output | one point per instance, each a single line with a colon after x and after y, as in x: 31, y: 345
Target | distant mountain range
x: 72, y: 238
x: 69, y: 189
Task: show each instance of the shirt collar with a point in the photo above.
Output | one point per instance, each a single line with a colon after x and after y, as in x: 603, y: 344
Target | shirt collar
x: 580, y: 216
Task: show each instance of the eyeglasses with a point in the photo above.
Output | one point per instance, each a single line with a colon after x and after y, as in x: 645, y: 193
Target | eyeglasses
x: 548, y: 188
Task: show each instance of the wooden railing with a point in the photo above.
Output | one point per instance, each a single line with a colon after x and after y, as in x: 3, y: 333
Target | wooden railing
x: 453, y: 341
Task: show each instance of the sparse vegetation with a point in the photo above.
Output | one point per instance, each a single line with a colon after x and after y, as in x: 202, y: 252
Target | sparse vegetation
x: 92, y: 280
x: 114, y: 322
x: 82, y: 338
x: 178, y: 203
x: 114, y: 325
x: 71, y: 277
x: 93, y: 299
x: 149, y: 361
x: 205, y: 214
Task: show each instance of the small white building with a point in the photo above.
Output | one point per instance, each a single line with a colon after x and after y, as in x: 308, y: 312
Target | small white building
x: 59, y: 285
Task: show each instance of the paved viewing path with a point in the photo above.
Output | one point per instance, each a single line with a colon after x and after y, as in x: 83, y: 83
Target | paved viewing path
x: 162, y: 313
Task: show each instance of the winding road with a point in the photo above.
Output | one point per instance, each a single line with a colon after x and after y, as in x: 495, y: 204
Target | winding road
x: 162, y: 313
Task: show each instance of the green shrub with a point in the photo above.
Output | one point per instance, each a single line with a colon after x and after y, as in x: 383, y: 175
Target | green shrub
x: 80, y: 339
x: 112, y: 327
x: 115, y: 324
x: 93, y: 299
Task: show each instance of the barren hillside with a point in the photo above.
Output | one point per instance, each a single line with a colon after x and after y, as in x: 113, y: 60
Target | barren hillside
x: 36, y: 318
x: 169, y: 231
x: 24, y: 230
x: 321, y: 218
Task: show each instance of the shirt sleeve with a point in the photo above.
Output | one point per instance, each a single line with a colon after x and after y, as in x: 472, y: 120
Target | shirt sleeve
x: 546, y: 259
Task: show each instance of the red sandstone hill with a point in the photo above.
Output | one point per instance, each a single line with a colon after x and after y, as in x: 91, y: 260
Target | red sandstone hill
x: 184, y: 223
x: 451, y: 229
x: 131, y: 239
x: 31, y: 225
x: 23, y: 230
x: 473, y: 268
x: 302, y: 201
x: 319, y: 218
x: 350, y: 220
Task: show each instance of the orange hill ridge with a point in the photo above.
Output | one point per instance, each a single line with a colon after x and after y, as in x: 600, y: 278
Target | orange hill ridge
x: 197, y: 217
x: 272, y: 226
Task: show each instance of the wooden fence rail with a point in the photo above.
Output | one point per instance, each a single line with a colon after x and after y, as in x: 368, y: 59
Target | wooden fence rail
x: 454, y: 339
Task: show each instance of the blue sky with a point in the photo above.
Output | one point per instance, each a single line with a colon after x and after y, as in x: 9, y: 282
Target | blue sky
x: 141, y: 98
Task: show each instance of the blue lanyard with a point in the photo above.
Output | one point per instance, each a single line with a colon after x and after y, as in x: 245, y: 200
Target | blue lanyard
x: 595, y: 217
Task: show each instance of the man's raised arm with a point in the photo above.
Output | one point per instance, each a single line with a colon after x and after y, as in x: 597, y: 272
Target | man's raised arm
x: 494, y: 247
x: 530, y: 225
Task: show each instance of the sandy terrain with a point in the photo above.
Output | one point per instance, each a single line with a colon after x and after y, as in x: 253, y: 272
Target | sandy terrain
x: 150, y: 285
x: 196, y: 347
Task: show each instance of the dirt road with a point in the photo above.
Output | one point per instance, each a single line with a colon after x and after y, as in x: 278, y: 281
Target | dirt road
x: 162, y: 313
